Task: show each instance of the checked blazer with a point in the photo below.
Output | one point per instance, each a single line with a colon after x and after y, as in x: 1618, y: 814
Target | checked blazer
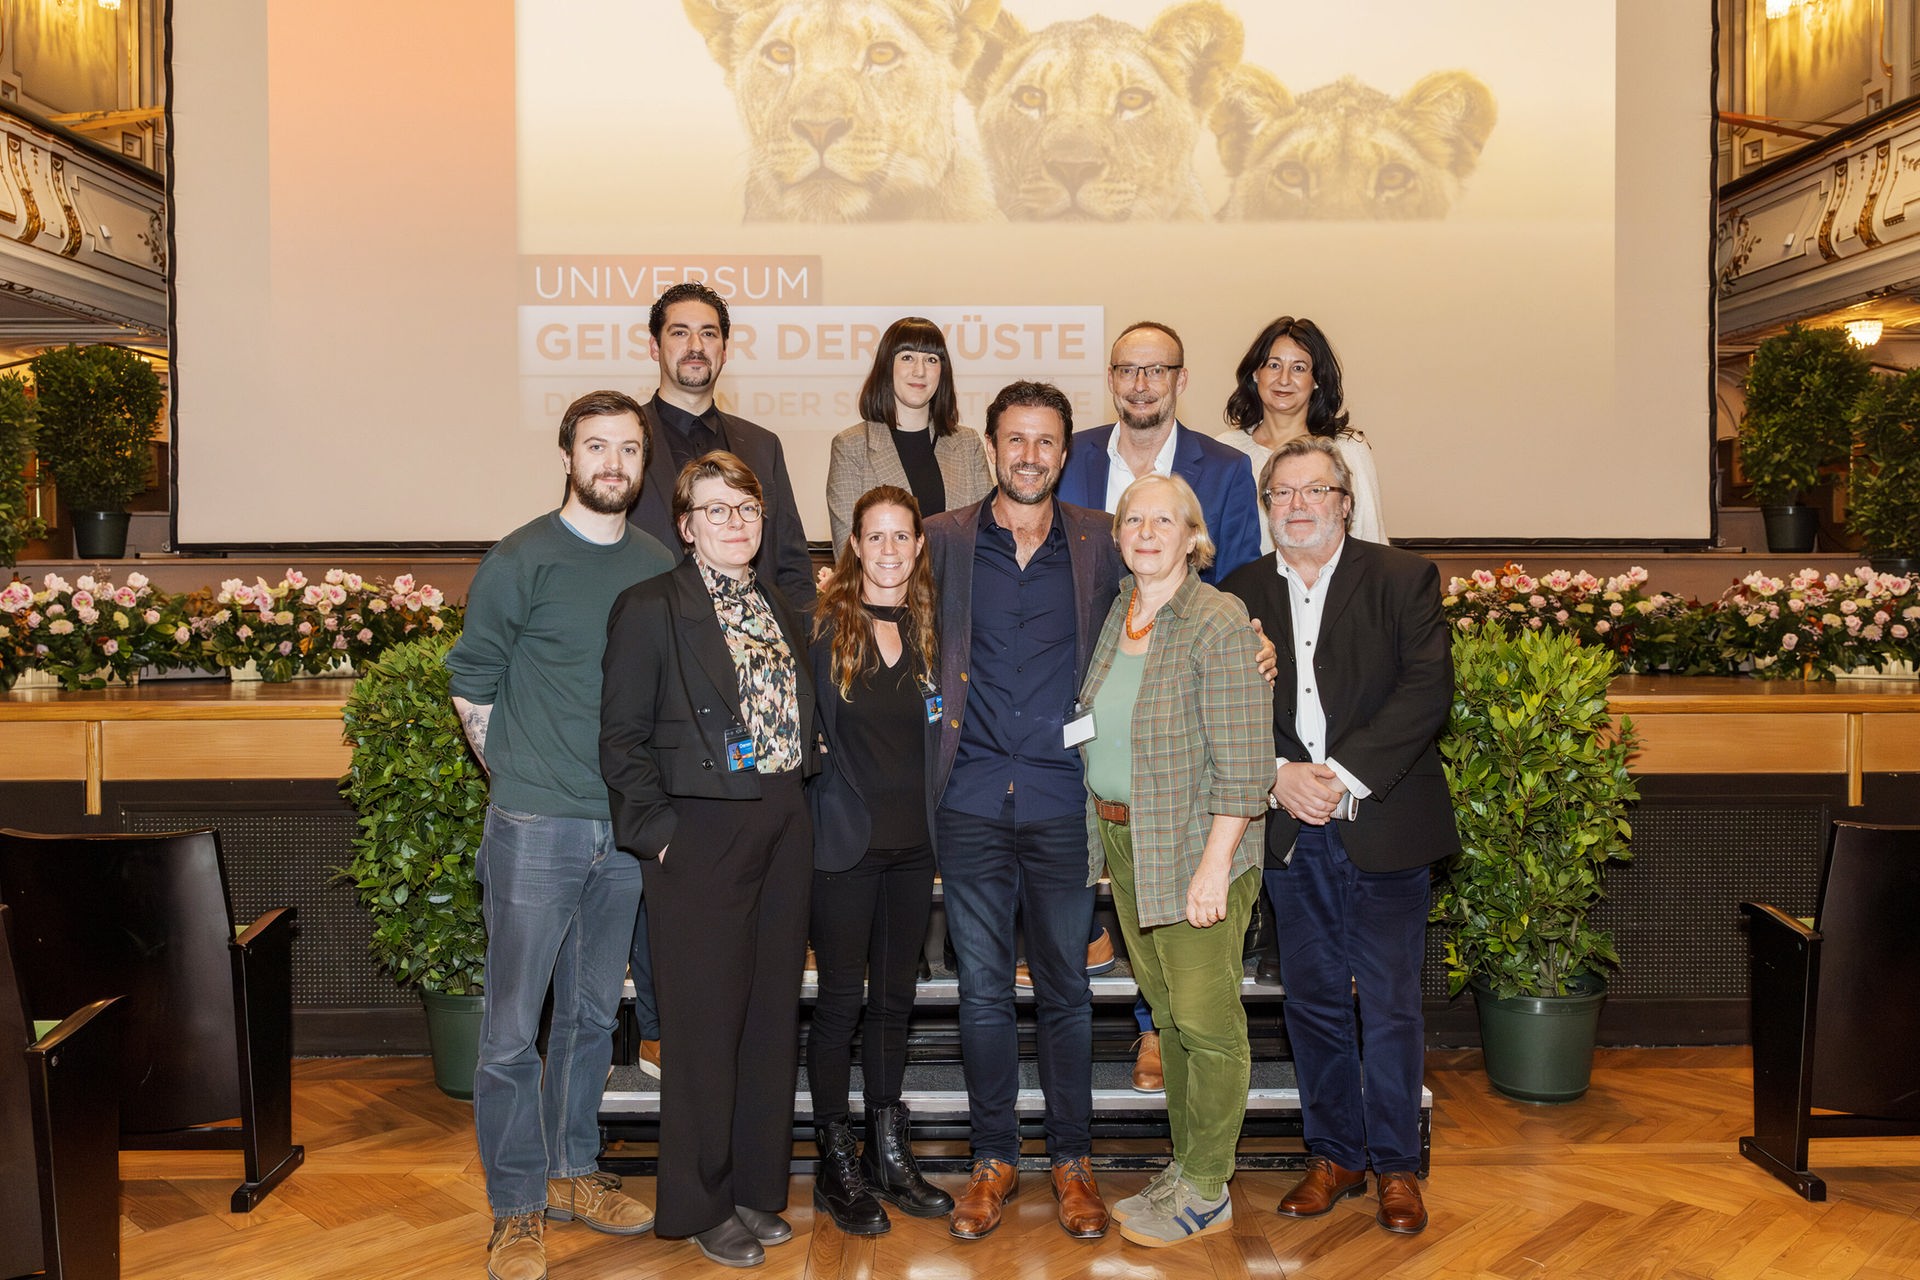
x: 863, y: 456
x: 1202, y: 742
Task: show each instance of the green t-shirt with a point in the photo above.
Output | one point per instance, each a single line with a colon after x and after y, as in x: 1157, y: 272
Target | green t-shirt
x: 1110, y: 752
x: 535, y: 629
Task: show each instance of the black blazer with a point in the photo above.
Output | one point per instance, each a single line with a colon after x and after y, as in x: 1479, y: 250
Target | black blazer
x: 842, y: 823
x: 668, y: 695
x: 1383, y: 662
x: 783, y: 558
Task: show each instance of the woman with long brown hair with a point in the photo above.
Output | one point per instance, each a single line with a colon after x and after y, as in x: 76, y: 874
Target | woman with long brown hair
x: 875, y: 663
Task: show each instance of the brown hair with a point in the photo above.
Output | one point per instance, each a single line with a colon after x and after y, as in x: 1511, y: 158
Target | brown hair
x: 717, y: 465
x: 854, y: 650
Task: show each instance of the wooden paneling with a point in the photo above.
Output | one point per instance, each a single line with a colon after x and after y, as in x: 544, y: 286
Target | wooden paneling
x: 43, y: 752
x: 161, y: 749
x: 1740, y: 743
x: 1892, y: 743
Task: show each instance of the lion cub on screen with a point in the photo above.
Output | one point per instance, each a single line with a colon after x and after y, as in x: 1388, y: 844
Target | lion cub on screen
x: 1348, y: 151
x: 849, y: 105
x: 1097, y: 120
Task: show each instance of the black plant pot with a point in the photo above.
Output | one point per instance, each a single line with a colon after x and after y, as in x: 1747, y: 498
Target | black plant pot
x: 1905, y: 566
x: 1790, y: 529
x: 1540, y: 1048
x: 100, y: 535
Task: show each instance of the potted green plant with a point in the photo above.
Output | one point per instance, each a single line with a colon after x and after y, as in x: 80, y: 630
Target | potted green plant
x: 99, y: 409
x: 17, y: 425
x: 1538, y: 772
x: 1802, y: 390
x: 1883, y: 498
x: 422, y: 800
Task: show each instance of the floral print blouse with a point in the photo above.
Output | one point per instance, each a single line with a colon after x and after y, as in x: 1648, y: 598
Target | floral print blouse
x: 769, y: 684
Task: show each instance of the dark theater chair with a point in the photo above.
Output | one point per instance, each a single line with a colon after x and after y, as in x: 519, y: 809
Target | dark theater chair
x: 1836, y: 1025
x: 206, y: 1026
x: 59, y: 1148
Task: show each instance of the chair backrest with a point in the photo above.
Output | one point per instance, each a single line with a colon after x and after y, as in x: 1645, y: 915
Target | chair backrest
x: 21, y: 1252
x: 145, y: 917
x: 1866, y: 1057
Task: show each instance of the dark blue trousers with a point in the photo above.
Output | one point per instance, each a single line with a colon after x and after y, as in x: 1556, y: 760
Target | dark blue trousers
x: 1348, y: 936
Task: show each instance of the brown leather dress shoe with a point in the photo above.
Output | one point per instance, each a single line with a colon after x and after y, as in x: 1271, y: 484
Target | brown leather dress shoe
x: 1401, y: 1209
x: 1325, y: 1185
x: 977, y: 1212
x: 1083, y: 1214
x: 1148, y: 1075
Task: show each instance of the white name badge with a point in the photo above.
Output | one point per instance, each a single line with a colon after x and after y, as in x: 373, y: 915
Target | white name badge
x: 1078, y: 730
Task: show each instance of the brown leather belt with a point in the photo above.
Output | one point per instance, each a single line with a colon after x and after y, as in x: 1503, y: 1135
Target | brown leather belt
x: 1112, y: 811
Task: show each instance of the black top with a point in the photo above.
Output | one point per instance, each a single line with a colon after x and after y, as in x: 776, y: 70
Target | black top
x: 883, y: 741
x: 689, y: 435
x: 923, y: 473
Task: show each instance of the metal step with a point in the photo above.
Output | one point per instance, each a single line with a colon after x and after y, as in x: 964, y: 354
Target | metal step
x: 1115, y: 987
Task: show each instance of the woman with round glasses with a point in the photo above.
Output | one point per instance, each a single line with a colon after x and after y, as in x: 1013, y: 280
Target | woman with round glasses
x: 911, y: 436
x: 1287, y: 385
x: 706, y: 731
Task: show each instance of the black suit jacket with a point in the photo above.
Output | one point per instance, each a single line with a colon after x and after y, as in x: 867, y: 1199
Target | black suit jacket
x: 950, y: 541
x: 668, y: 695
x: 783, y: 558
x: 1383, y: 665
x: 842, y: 822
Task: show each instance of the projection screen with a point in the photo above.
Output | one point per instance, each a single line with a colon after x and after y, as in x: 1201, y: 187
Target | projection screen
x: 405, y: 236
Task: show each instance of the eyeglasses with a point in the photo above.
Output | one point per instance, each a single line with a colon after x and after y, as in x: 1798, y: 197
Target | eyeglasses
x: 1315, y: 494
x: 1151, y: 372
x: 721, y: 512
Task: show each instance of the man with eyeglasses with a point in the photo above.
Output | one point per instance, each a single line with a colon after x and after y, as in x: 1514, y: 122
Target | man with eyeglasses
x: 1146, y: 374
x: 1361, y: 813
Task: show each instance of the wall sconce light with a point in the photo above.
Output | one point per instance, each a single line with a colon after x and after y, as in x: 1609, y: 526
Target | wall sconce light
x: 1778, y: 8
x: 114, y: 5
x: 1863, y: 333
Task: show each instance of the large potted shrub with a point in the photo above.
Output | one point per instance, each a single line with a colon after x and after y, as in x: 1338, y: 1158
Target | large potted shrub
x: 1538, y: 772
x: 422, y: 800
x: 17, y: 422
x: 99, y: 409
x: 1883, y: 499
x: 1802, y: 391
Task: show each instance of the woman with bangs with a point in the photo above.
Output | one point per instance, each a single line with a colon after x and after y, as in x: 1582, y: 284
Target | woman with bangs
x: 911, y: 437
x: 875, y: 660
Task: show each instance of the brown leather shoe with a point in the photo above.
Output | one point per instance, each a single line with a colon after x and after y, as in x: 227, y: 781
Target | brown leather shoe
x: 1325, y: 1185
x: 1100, y: 959
x: 977, y: 1212
x: 597, y: 1200
x: 1083, y: 1214
x: 1401, y: 1209
x: 517, y: 1249
x: 1147, y: 1074
x: 650, y: 1057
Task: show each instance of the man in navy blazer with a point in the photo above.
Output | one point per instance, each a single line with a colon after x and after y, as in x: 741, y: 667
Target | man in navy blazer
x: 1362, y: 813
x: 1025, y: 584
x: 1146, y: 373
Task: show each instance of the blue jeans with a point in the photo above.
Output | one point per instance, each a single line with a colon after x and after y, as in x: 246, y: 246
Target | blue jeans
x: 992, y: 869
x: 559, y: 903
x: 1348, y: 936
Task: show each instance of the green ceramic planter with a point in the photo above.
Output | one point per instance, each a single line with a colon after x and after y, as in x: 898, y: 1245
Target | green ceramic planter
x: 453, y: 1032
x: 1540, y: 1048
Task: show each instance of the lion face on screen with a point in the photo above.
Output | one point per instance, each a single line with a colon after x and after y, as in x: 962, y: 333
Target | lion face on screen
x: 848, y: 105
x: 1096, y: 120
x: 1349, y: 151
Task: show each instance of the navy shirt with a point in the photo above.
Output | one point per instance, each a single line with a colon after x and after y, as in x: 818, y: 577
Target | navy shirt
x: 1021, y: 683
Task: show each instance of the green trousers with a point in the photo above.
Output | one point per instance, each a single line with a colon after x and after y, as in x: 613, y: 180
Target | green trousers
x: 1191, y: 979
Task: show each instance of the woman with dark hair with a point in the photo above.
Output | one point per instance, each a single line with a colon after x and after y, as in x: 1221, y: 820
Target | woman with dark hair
x: 875, y: 663
x: 912, y: 437
x: 1288, y: 385
x: 706, y: 731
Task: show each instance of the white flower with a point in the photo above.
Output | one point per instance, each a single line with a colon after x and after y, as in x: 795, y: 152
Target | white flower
x: 60, y: 627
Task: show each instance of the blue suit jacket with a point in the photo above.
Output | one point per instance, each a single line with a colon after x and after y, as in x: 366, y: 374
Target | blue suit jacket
x: 1222, y: 478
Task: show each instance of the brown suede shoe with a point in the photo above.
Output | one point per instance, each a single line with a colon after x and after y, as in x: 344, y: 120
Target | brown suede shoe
x: 1148, y: 1077
x: 597, y: 1200
x: 1083, y: 1214
x: 1325, y: 1185
x: 1401, y: 1209
x: 518, y: 1248
x: 977, y: 1212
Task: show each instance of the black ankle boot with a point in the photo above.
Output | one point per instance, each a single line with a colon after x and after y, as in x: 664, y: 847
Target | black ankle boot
x: 889, y: 1165
x: 839, y: 1189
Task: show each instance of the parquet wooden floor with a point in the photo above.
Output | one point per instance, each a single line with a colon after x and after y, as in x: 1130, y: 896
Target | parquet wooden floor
x: 1639, y: 1179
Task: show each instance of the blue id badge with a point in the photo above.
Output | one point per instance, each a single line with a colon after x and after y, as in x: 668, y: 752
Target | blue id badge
x: 739, y: 743
x: 935, y: 706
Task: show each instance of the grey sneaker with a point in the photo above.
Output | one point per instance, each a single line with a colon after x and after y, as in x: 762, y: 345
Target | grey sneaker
x: 1159, y: 1188
x: 1178, y: 1216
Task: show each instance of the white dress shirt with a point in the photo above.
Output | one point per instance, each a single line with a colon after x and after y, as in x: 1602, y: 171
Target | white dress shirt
x: 1307, y: 605
x: 1120, y: 472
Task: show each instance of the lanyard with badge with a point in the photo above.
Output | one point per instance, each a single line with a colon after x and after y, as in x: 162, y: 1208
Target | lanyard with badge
x: 930, y: 692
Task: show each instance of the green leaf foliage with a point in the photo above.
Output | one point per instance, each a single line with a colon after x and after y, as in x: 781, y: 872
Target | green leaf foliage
x: 1538, y: 772
x: 1802, y: 389
x: 17, y: 426
x: 1883, y: 504
x: 99, y: 409
x: 422, y: 799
